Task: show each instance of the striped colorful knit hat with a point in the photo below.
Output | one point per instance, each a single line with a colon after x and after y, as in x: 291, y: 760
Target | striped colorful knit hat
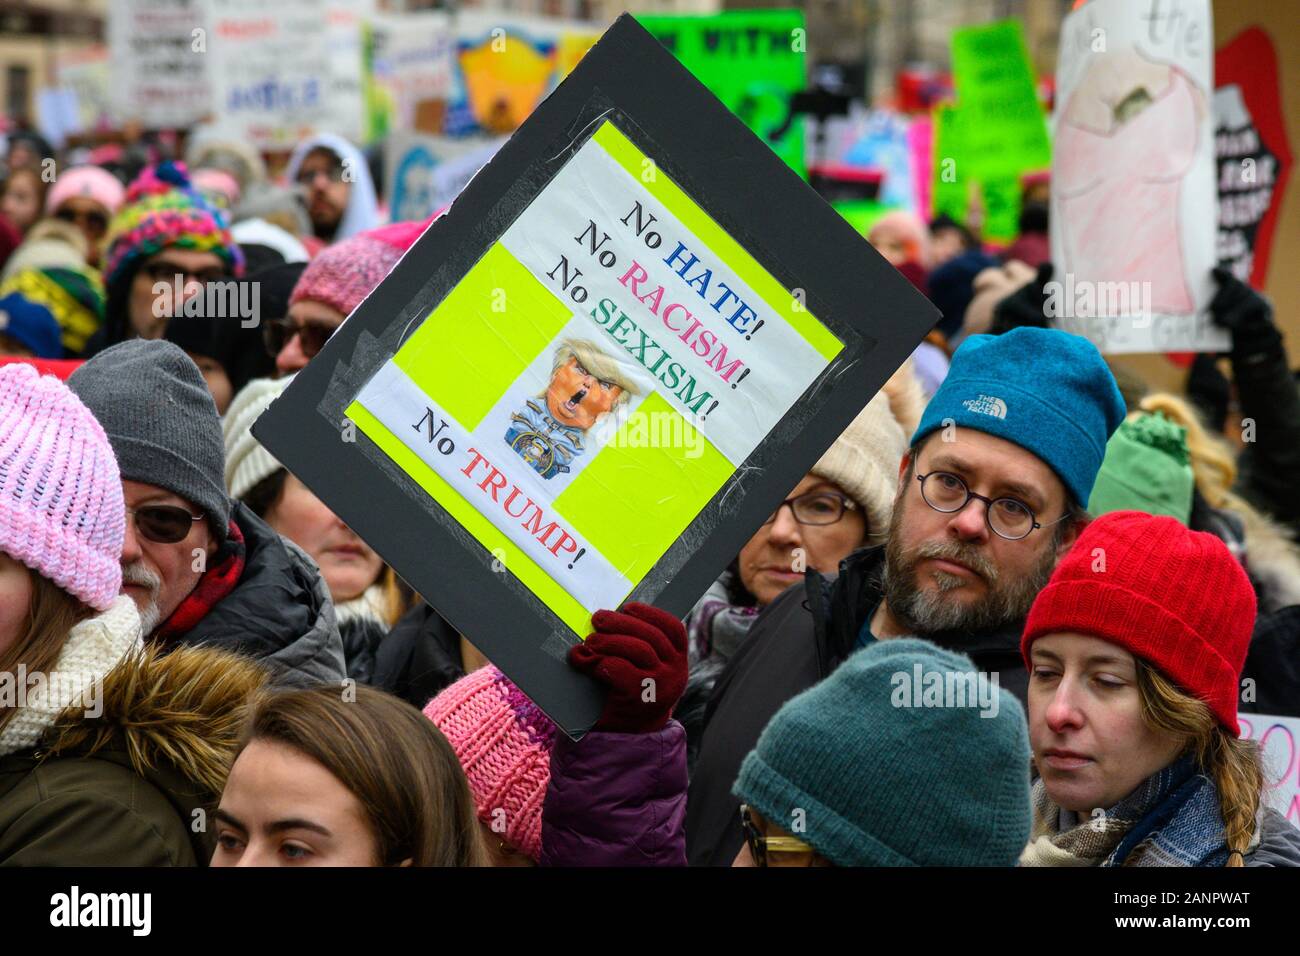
x: 74, y: 295
x: 61, y: 507
x: 504, y: 743
x: 163, y: 209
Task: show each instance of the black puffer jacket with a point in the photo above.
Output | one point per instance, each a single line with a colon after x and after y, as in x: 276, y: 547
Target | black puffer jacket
x: 280, y: 611
x: 798, y: 640
x: 419, y: 657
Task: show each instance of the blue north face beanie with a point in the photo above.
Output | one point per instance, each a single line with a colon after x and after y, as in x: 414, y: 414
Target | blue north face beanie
x: 1048, y: 391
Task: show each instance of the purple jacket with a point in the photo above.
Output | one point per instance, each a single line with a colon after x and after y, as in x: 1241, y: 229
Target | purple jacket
x: 617, y: 800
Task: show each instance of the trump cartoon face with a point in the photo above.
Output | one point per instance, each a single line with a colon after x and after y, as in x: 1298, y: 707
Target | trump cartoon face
x: 578, y: 398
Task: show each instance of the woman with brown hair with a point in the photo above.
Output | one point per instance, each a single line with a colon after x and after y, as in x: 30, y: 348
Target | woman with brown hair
x: 344, y: 777
x: 368, y: 599
x: 1135, y: 650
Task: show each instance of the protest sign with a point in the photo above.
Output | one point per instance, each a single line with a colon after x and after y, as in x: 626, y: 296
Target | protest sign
x: 344, y: 107
x: 271, y: 70
x: 1133, y: 195
x: 1279, y: 742
x: 86, y: 74
x: 1006, y: 130
x: 752, y: 60
x: 160, y: 73
x: 504, y: 66
x: 413, y: 64
x: 426, y: 173
x: 598, y: 372
x: 1254, y: 157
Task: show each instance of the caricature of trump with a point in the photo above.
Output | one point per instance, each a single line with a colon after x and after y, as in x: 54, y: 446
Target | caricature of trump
x: 549, y: 432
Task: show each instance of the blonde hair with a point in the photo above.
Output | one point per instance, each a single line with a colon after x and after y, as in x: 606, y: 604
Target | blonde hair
x: 1233, y: 765
x: 1213, y: 463
x: 599, y: 363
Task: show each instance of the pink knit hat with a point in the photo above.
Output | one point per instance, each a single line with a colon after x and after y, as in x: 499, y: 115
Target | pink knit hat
x: 61, y: 507
x: 348, y: 271
x: 504, y: 743
x: 88, y: 181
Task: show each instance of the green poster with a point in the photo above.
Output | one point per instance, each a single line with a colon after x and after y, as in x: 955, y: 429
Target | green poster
x: 1005, y: 130
x: 752, y: 60
x: 956, y: 189
x: 949, y: 190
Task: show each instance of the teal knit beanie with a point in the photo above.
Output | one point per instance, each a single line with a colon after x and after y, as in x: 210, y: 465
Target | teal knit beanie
x: 894, y: 760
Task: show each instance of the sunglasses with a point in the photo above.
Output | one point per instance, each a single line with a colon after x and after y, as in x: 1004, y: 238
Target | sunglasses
x: 762, y: 847
x: 312, y: 336
x: 164, y: 524
x: 307, y: 177
x: 95, y: 222
x: 164, y: 271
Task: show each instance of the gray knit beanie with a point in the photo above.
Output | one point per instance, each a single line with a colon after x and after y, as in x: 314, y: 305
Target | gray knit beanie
x: 161, y: 421
x: 902, y: 757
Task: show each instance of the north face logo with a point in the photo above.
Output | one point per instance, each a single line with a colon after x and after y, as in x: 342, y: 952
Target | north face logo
x: 986, y: 405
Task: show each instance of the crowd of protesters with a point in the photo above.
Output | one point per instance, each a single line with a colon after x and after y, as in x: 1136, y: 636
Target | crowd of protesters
x: 1106, y: 573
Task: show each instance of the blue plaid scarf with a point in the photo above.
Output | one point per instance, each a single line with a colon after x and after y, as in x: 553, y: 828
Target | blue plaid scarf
x: 1171, y: 819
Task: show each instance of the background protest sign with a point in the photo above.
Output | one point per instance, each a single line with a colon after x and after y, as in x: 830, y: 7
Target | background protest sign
x: 160, y: 75
x: 752, y: 60
x: 1133, y: 194
x: 995, y: 132
x: 1254, y: 155
x: 1279, y: 740
x: 1005, y: 131
x: 273, y: 75
x: 412, y: 67
x: 426, y: 173
x: 722, y: 344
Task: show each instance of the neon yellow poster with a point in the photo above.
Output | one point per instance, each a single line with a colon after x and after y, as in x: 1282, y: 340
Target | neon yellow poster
x: 595, y: 379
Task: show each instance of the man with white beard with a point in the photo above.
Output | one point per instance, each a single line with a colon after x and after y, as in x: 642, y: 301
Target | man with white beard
x: 201, y: 568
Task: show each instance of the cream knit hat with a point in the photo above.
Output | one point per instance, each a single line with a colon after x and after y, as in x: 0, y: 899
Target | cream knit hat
x: 864, y: 462
x: 247, y: 462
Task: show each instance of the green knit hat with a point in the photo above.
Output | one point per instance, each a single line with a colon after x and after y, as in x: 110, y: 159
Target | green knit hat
x: 870, y: 769
x: 1146, y: 468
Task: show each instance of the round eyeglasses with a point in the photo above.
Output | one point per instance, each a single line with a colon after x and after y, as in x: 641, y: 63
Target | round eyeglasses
x: 1006, y: 517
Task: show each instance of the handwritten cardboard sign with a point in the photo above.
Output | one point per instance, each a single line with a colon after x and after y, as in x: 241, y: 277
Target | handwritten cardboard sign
x: 1279, y: 741
x: 1133, y: 176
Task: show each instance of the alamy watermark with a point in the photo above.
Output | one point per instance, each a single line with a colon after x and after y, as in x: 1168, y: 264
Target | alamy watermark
x: 1085, y: 299
x: 217, y: 300
x: 57, y: 689
x: 659, y: 430
x: 933, y: 688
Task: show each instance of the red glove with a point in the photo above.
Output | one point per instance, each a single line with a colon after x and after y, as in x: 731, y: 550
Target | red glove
x: 639, y: 652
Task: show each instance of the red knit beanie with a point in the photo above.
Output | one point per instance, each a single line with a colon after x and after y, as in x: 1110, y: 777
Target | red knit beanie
x: 1176, y: 598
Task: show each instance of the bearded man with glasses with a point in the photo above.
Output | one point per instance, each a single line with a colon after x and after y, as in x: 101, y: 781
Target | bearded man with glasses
x: 991, y: 493
x: 201, y: 568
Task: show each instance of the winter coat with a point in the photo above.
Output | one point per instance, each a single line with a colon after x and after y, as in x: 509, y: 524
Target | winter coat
x: 279, y: 612
x: 134, y: 785
x: 419, y: 657
x: 1269, y: 467
x: 1273, y: 565
x: 797, y: 641
x: 616, y: 800
x: 362, y: 628
x: 1279, y: 842
x: 715, y: 628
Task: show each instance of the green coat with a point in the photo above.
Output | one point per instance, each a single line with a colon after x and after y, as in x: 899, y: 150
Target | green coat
x: 134, y: 786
